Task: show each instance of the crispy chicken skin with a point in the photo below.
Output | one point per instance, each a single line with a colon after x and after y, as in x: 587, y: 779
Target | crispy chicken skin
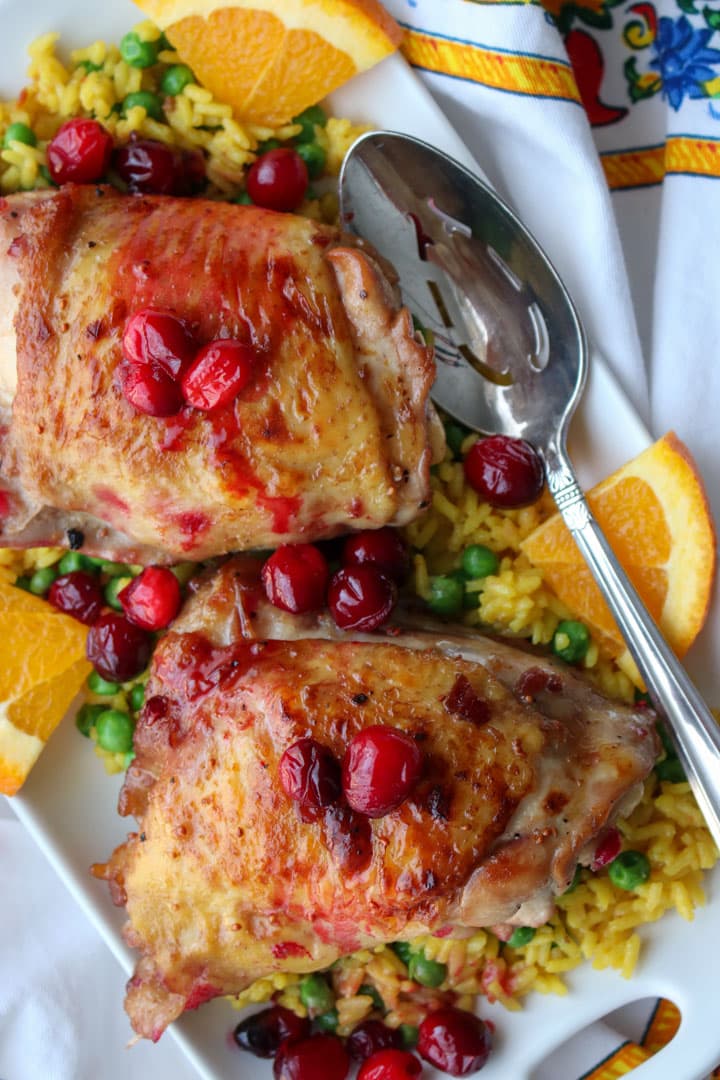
x: 335, y: 430
x: 524, y: 764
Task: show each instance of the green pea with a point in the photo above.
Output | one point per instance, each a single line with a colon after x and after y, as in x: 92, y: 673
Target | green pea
x: 575, y: 882
x: 269, y: 144
x: 97, y: 685
x: 521, y: 935
x: 137, y: 697
x: 446, y: 595
x: 571, y: 641
x: 114, y: 731
x: 426, y: 972
x: 75, y: 560
x: 327, y: 1021
x: 137, y: 53
x: 45, y: 173
x: 113, y: 589
x: 667, y: 743
x: 184, y: 571
x: 23, y: 582
x: 314, y: 157
x: 89, y: 66
x: 455, y: 436
x: 371, y: 991
x: 309, y: 119
x: 629, y: 869
x: 114, y: 569
x: 150, y: 102
x: 479, y: 561
x: 175, y: 79
x: 163, y: 45
x: 409, y: 1035
x: 471, y: 600
x: 242, y: 199
x: 21, y: 133
x: 41, y: 580
x: 671, y: 771
x: 87, y: 718
x: 129, y: 757
x: 315, y: 993
x: 402, y: 950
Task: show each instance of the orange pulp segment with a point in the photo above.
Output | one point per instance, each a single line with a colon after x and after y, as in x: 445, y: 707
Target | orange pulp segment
x: 270, y: 59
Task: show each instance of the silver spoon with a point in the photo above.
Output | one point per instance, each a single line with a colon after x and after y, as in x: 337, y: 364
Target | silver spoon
x: 512, y: 359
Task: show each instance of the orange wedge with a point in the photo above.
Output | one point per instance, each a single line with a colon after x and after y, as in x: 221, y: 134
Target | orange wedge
x: 270, y: 59
x: 655, y: 514
x: 43, y: 667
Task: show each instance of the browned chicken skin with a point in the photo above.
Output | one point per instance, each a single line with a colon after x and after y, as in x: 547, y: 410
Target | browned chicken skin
x: 335, y: 431
x: 524, y: 764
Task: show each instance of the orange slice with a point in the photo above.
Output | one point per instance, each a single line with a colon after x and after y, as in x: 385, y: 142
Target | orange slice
x: 43, y: 667
x: 655, y: 514
x: 270, y: 59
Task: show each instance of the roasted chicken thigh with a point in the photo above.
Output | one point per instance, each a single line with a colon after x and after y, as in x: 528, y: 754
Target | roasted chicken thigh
x: 225, y: 881
x: 334, y: 431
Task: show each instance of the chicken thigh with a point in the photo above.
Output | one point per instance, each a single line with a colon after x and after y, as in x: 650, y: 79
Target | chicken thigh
x: 334, y: 431
x: 225, y: 881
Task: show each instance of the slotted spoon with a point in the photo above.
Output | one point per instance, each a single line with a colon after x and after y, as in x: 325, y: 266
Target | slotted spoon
x: 512, y: 359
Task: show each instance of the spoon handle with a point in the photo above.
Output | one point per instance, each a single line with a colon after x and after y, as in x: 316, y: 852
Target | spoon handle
x: 695, y: 731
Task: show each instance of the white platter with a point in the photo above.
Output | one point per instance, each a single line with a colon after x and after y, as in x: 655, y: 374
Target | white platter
x: 680, y: 960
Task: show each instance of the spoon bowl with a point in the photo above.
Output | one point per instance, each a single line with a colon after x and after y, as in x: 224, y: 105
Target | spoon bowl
x: 511, y: 359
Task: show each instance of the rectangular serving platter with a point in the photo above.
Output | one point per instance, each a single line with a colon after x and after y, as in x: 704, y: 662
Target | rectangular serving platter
x: 68, y: 803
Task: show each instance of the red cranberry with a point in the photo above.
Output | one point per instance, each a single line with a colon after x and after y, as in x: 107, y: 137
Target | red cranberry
x: 370, y: 1037
x: 361, y: 598
x: 506, y: 472
x: 153, y: 599
x: 150, y: 390
x: 80, y: 152
x: 310, y: 776
x: 608, y: 848
x: 309, y: 1059
x: 118, y: 650
x: 295, y: 577
x: 147, y: 166
x: 384, y: 549
x: 278, y: 180
x: 77, y: 594
x: 390, y: 1065
x: 263, y: 1033
x: 158, y: 337
x: 5, y: 504
x: 455, y: 1041
x: 218, y: 374
x: 381, y: 767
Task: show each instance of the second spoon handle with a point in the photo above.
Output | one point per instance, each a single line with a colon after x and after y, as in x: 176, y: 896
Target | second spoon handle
x: 695, y: 732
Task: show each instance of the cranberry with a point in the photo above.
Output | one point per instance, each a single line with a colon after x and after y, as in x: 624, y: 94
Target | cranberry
x: 381, y: 767
x: 158, y: 337
x: 370, y: 1037
x: 150, y: 390
x: 218, y: 374
x: 77, y: 594
x: 79, y: 152
x: 310, y: 776
x: 309, y: 1059
x: 295, y: 577
x: 455, y: 1041
x: 153, y: 599
x: 118, y: 650
x: 5, y: 504
x: 608, y: 848
x: 147, y: 166
x: 263, y: 1032
x: 152, y: 168
x: 384, y: 549
x: 390, y: 1065
x: 506, y: 472
x: 278, y: 180
x: 361, y: 598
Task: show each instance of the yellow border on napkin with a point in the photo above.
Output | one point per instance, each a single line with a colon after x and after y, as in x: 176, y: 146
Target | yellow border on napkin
x: 679, y: 155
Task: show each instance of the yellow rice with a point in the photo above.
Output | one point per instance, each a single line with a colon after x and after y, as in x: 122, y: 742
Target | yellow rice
x: 596, y: 921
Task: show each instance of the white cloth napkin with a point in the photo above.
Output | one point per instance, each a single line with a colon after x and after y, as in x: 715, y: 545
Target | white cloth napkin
x: 641, y: 263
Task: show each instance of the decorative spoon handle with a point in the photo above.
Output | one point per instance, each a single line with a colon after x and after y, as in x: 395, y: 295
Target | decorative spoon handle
x: 695, y: 732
